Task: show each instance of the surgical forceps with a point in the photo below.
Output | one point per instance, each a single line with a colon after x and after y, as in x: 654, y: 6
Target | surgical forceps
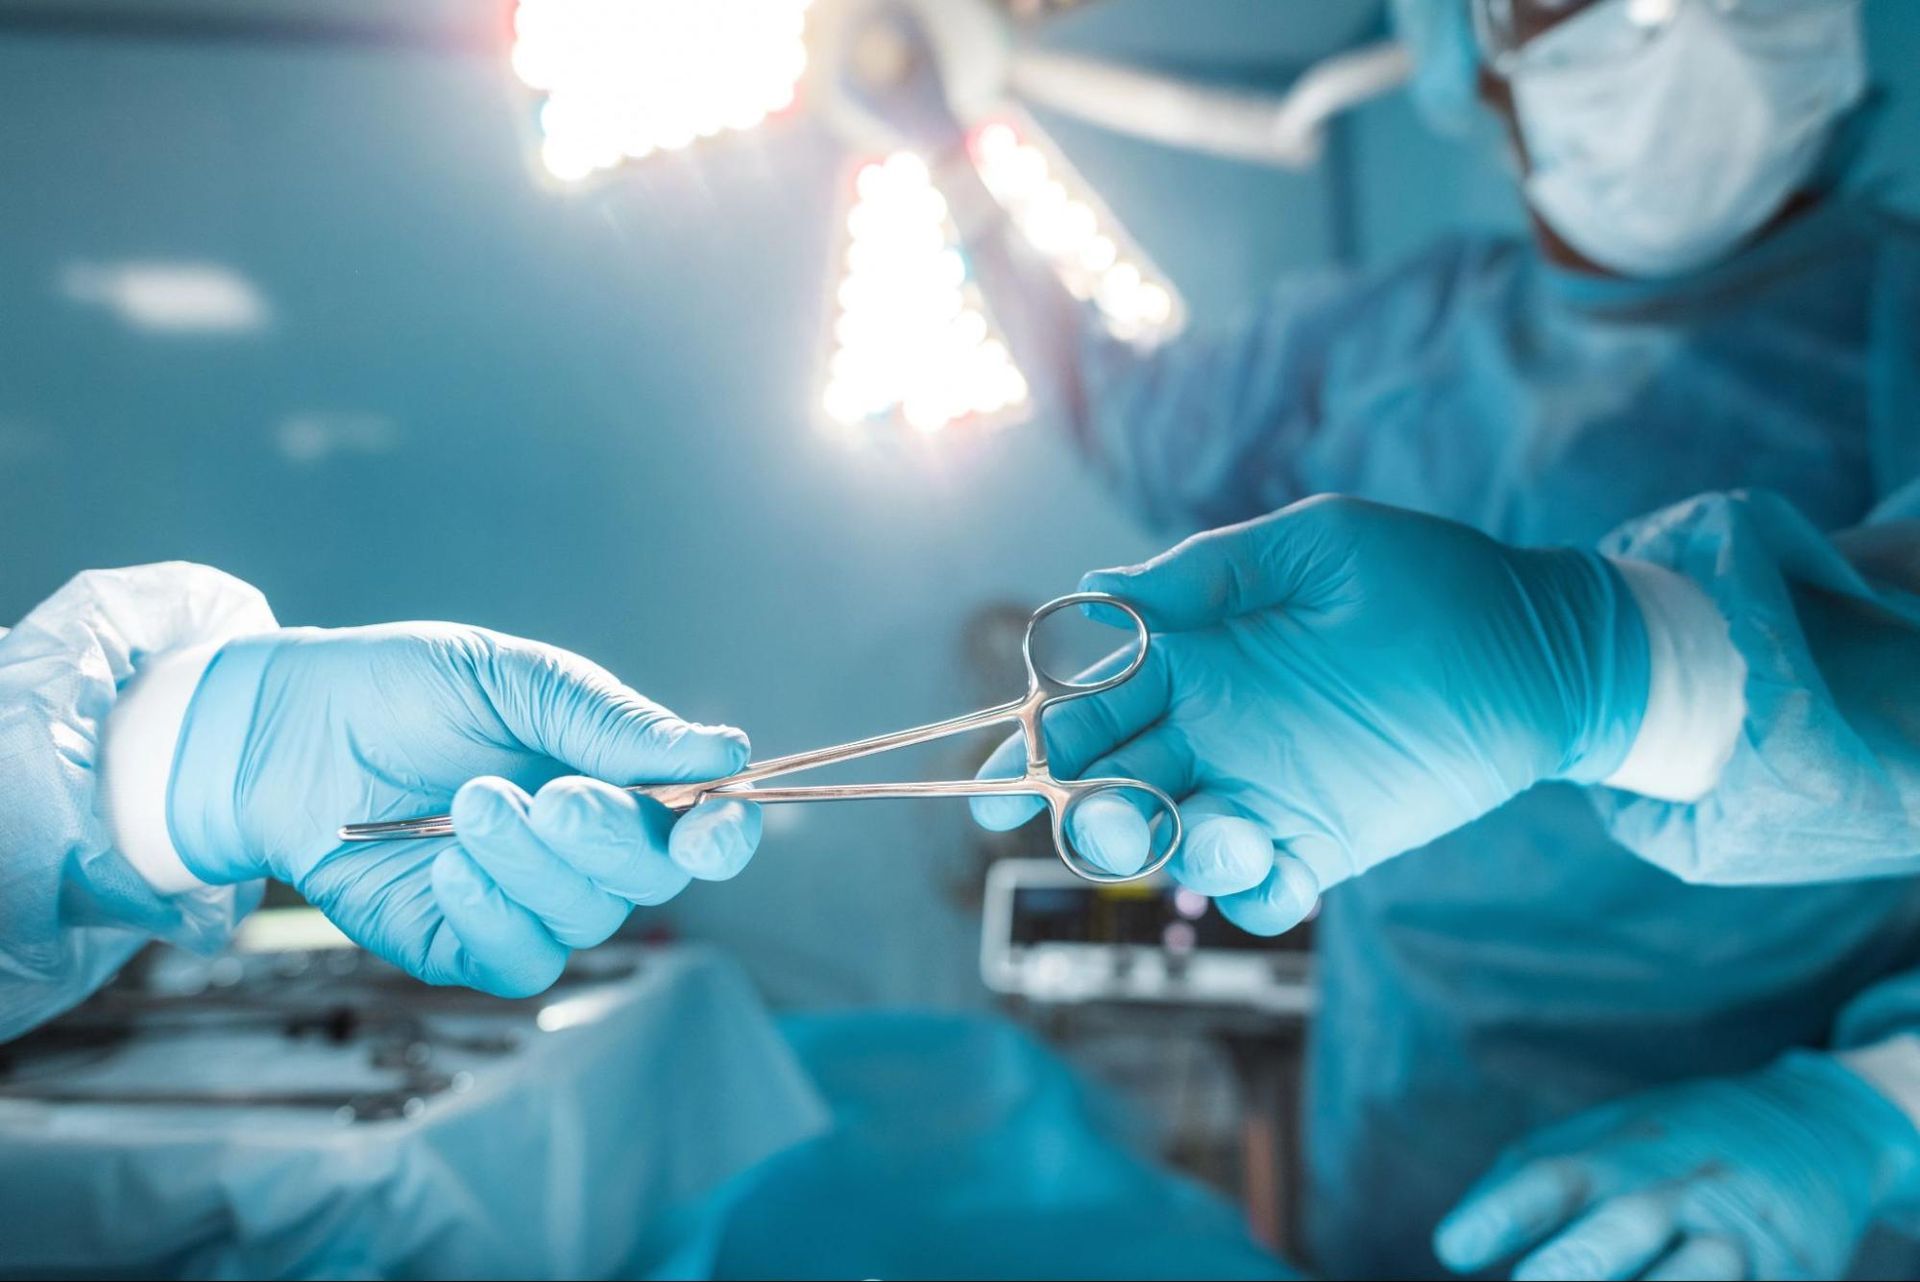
x: 1063, y: 797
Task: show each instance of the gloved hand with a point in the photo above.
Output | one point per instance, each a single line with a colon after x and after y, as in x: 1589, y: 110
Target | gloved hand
x: 296, y: 732
x: 1772, y: 1175
x: 889, y: 70
x: 1337, y: 683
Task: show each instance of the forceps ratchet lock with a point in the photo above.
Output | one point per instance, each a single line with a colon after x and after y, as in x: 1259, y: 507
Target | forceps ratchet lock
x: 1063, y: 797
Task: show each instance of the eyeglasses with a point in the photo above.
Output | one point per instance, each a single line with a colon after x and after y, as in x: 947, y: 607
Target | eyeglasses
x: 1506, y: 27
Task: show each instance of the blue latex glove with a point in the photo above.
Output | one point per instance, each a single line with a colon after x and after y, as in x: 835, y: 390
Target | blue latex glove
x: 1772, y: 1175
x: 888, y: 69
x: 292, y: 734
x: 1337, y: 683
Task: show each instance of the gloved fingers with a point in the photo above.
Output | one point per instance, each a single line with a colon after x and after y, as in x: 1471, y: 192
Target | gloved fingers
x: 1214, y: 576
x: 491, y: 818
x: 614, y: 838
x: 576, y: 712
x: 381, y: 896
x: 1618, y: 1239
x: 486, y: 941
x: 1510, y: 1210
x: 1706, y: 1257
x: 1225, y: 850
x: 1280, y: 902
x: 1159, y: 756
x: 1078, y: 732
x: 715, y: 839
x: 1110, y: 832
x: 1122, y: 829
x: 1002, y: 814
x: 1081, y: 731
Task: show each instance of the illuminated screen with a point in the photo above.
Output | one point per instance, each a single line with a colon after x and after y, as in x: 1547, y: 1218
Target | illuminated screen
x: 1132, y: 914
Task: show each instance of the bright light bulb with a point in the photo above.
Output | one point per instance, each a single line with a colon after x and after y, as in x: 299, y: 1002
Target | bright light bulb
x: 1049, y: 195
x: 1039, y: 194
x: 1651, y: 13
x: 924, y: 414
x: 842, y: 404
x: 1153, y: 303
x: 931, y: 206
x: 907, y: 170
x: 566, y: 161
x: 1044, y: 227
x: 996, y: 142
x: 911, y: 338
x: 950, y: 269
x: 1117, y: 290
x: 1013, y: 386
x: 1098, y: 253
x: 969, y: 329
x: 1017, y: 171
x: 641, y: 76
x: 1078, y: 224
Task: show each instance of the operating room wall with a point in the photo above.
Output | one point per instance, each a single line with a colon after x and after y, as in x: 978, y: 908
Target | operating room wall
x: 447, y: 390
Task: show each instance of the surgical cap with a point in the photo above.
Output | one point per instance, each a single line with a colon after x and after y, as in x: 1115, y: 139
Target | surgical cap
x: 1439, y: 33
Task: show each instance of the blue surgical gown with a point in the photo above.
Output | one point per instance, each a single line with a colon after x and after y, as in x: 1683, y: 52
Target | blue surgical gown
x: 73, y: 909
x: 1531, y: 965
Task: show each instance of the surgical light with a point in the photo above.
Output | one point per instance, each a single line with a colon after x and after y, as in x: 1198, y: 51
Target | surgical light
x: 1062, y: 218
x: 912, y: 342
x: 625, y: 79
x: 1651, y: 13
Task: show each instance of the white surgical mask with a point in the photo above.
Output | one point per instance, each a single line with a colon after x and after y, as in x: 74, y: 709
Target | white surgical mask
x: 1669, y: 152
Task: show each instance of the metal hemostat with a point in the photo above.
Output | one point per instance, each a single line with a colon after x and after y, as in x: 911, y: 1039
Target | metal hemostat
x: 1063, y: 797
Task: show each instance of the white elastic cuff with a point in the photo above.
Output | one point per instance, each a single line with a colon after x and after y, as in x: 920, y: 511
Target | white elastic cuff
x: 1891, y: 1067
x: 136, y: 763
x: 1696, y: 689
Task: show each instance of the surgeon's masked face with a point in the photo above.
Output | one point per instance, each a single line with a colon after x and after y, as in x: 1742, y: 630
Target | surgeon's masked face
x: 1661, y: 134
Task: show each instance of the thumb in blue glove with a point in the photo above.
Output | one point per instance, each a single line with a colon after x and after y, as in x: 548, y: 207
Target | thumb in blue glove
x: 292, y: 733
x: 1340, y: 682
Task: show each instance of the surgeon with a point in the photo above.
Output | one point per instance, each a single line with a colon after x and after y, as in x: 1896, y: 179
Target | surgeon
x: 1662, y: 625
x: 165, y: 746
x: 1340, y: 681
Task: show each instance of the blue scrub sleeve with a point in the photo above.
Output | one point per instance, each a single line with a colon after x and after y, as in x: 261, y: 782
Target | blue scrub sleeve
x: 1824, y: 779
x: 1877, y: 1036
x: 1200, y: 430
